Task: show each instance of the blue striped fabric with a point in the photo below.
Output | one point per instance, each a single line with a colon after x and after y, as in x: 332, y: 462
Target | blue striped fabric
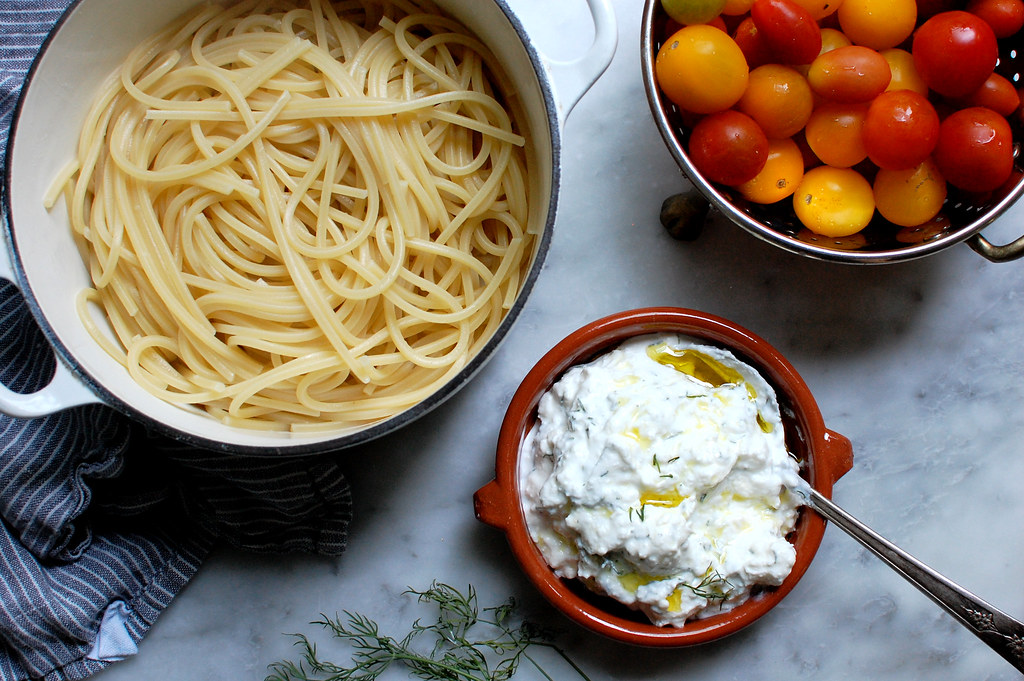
x: 102, y: 523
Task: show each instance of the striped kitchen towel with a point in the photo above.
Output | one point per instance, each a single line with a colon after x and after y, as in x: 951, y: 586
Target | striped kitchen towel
x: 101, y: 522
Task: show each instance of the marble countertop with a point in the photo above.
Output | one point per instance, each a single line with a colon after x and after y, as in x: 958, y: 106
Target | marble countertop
x: 919, y: 364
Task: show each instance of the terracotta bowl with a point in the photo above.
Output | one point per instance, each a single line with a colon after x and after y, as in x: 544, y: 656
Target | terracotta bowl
x: 824, y: 454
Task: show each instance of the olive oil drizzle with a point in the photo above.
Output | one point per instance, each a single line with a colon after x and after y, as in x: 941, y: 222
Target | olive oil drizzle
x: 704, y: 368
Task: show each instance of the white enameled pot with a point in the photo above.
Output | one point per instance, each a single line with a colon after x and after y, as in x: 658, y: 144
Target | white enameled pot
x: 41, y: 258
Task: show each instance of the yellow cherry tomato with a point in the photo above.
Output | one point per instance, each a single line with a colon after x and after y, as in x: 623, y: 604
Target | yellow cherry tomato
x: 832, y: 38
x: 910, y: 197
x: 879, y: 24
x: 782, y: 172
x: 904, y: 73
x: 778, y: 98
x: 701, y: 69
x: 834, y: 202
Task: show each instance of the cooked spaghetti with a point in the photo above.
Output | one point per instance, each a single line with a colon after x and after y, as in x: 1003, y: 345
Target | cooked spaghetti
x: 301, y: 215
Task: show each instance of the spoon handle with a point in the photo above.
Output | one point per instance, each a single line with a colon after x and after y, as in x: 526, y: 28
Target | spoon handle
x: 1000, y: 631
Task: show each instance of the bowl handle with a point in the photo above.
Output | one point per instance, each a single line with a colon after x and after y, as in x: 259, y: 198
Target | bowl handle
x: 65, y: 390
x: 491, y: 506
x: 573, y: 78
x: 837, y: 456
x: 993, y: 253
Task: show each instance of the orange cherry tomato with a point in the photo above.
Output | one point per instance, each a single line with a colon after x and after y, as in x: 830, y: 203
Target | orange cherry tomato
x: 834, y: 133
x: 782, y: 172
x: 778, y: 98
x: 849, y: 74
x: 911, y: 196
x: 904, y: 73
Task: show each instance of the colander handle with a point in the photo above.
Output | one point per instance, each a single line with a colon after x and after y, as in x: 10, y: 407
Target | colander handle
x: 65, y: 389
x: 990, y: 251
x: 573, y: 78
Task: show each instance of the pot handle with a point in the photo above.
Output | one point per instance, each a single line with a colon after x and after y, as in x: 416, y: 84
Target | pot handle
x: 993, y: 253
x: 573, y: 78
x: 65, y: 389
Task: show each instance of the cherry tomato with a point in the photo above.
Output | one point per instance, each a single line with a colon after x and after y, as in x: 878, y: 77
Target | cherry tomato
x: 834, y: 202
x: 819, y: 9
x: 900, y: 130
x: 701, y: 69
x: 728, y: 147
x: 781, y: 174
x: 975, y: 149
x: 719, y: 23
x: 735, y: 8
x: 996, y: 93
x: 778, y: 98
x: 849, y: 74
x: 752, y: 44
x: 911, y: 196
x: 1006, y: 17
x: 955, y: 52
x: 831, y: 38
x: 689, y: 12
x: 878, y: 24
x: 904, y: 73
x: 834, y: 133
x: 788, y: 29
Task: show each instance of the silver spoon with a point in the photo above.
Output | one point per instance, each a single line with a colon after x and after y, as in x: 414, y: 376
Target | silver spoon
x: 1003, y: 633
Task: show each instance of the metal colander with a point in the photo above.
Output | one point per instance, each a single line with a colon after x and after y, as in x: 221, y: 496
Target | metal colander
x: 962, y: 216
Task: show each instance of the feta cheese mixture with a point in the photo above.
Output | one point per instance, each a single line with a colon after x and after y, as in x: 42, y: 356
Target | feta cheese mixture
x: 657, y: 474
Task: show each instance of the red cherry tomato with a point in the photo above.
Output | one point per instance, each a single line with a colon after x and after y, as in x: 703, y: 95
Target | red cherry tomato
x: 849, y: 74
x: 789, y: 30
x: 728, y: 147
x: 996, y: 93
x: 1006, y: 17
x: 975, y: 149
x: 752, y: 44
x: 955, y: 52
x: 900, y: 130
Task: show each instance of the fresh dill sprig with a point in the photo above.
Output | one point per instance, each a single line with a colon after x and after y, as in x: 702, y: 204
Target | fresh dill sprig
x: 465, y: 643
x: 713, y: 586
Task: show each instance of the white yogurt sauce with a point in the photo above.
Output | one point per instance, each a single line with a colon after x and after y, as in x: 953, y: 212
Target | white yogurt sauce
x: 660, y: 489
